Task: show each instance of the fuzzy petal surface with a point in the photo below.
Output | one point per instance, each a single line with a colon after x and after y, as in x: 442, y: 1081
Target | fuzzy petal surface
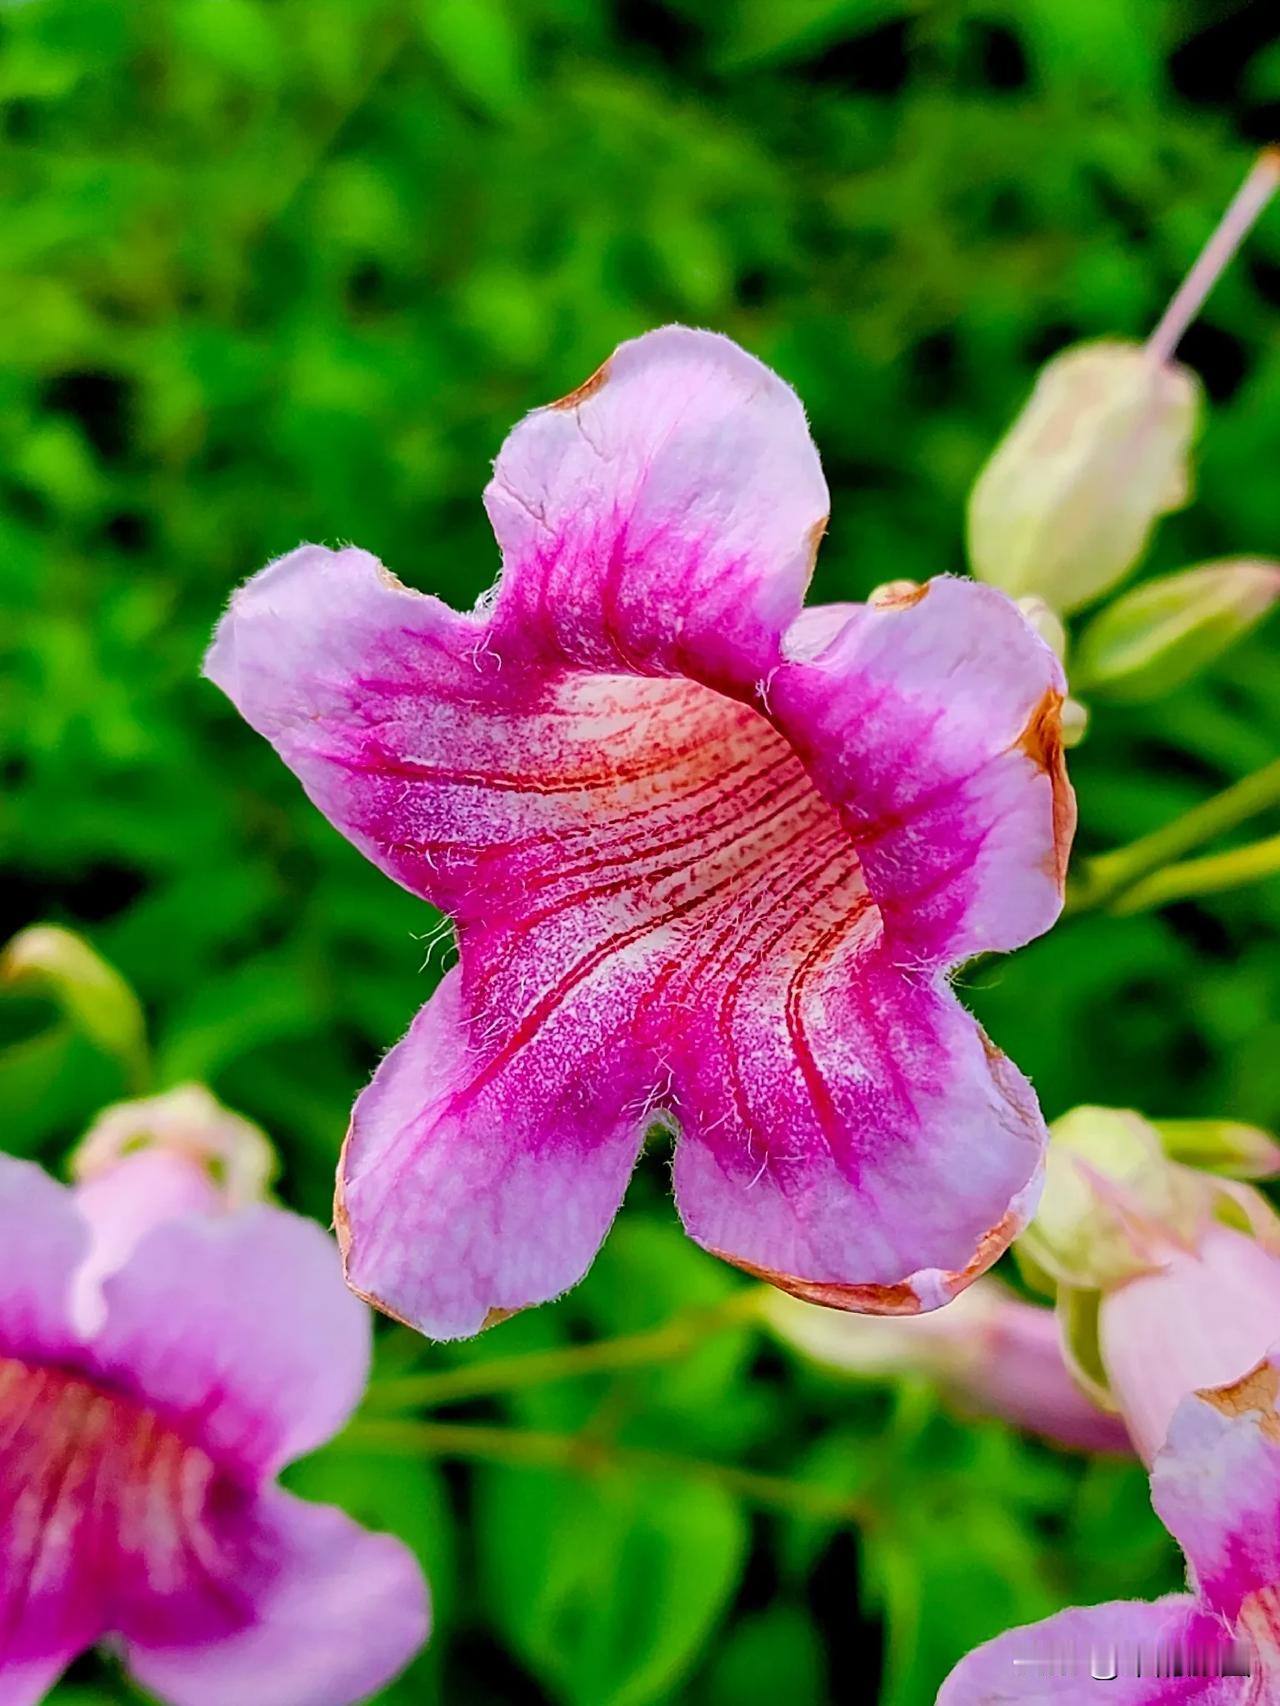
x: 474, y: 1183
x: 1092, y: 1656
x: 661, y: 519
x: 839, y: 1118
x: 240, y: 1331
x: 933, y: 721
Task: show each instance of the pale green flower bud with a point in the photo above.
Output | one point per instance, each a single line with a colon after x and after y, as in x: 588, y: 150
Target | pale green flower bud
x: 1111, y: 1200
x: 48, y: 960
x: 1067, y: 502
x: 1158, y: 636
x: 1220, y: 1146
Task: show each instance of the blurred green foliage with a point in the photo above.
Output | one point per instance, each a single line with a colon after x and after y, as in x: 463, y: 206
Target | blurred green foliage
x: 287, y: 269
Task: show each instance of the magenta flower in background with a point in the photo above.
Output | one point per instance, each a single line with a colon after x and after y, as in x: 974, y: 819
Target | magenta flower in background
x: 143, y: 1420
x: 1216, y: 1487
x: 989, y: 1354
x: 709, y: 857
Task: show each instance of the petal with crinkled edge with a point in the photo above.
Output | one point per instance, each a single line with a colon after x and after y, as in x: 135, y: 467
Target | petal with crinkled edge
x: 335, y: 1614
x: 241, y: 1331
x: 663, y: 517
x: 1216, y: 1487
x: 932, y: 721
x: 477, y: 1181
x: 1105, y: 1655
x: 840, y: 1119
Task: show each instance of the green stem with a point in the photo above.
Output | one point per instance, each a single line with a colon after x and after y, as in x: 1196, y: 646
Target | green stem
x: 1192, y: 877
x: 675, y: 1338
x: 519, y: 1448
x: 1105, y: 878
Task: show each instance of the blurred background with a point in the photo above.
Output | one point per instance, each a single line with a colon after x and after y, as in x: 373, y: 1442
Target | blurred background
x: 277, y: 270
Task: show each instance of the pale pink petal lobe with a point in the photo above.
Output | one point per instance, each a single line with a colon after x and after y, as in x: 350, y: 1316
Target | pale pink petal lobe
x: 259, y: 1345
x: 384, y: 704
x: 334, y: 1614
x: 661, y: 519
x: 481, y: 1179
x: 1127, y: 1653
x: 43, y: 1240
x: 933, y: 722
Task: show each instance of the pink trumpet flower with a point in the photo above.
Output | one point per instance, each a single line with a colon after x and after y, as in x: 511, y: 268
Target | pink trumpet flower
x: 710, y: 857
x: 990, y: 1353
x: 1216, y: 1486
x: 143, y: 1419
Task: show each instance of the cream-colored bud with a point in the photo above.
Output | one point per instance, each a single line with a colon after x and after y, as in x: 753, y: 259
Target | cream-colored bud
x: 1067, y: 502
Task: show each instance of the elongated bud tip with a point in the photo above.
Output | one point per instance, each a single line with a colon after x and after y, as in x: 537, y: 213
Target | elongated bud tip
x: 47, y: 960
x: 1163, y: 633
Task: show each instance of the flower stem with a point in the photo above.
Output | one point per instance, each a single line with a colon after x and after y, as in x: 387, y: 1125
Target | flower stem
x: 1106, y: 878
x: 586, y: 1456
x: 674, y: 1338
x: 1216, y: 871
x: 1236, y: 223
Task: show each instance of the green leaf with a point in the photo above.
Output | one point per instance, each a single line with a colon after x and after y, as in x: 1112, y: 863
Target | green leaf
x: 607, y: 1588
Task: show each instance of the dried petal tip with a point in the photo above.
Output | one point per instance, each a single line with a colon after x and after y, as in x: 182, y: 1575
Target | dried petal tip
x: 1158, y: 636
x: 1066, y: 504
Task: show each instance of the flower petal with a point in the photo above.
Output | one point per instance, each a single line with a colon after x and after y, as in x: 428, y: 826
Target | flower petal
x: 44, y: 1240
x: 336, y: 1614
x: 661, y: 518
x: 142, y: 1191
x: 843, y: 1124
x: 384, y: 704
x: 240, y: 1329
x: 1127, y: 1653
x: 480, y: 1180
x: 932, y: 720
x: 25, y: 1682
x: 1216, y: 1487
x: 1202, y: 1319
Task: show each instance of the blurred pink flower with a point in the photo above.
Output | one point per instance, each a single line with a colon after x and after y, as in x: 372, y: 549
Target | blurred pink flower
x: 709, y: 856
x: 990, y: 1353
x: 143, y: 1420
x: 1216, y: 1486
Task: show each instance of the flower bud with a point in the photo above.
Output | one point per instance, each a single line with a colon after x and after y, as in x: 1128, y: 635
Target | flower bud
x: 1203, y: 1319
x: 1159, y: 635
x: 190, y: 1126
x: 990, y: 1354
x: 147, y: 1162
x: 47, y: 960
x: 1112, y: 1201
x: 1225, y: 1147
x: 1046, y: 622
x: 1068, y: 499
